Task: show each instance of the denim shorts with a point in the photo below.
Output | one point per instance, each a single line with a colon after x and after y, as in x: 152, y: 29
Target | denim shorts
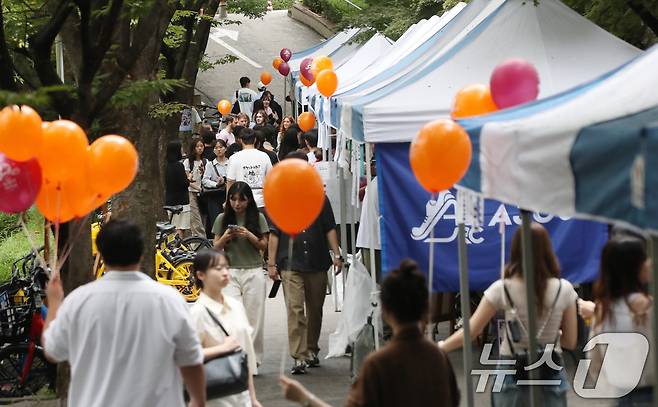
x: 512, y: 395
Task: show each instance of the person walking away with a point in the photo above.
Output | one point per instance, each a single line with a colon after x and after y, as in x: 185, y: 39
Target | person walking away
x: 242, y: 232
x: 289, y: 142
x: 195, y: 165
x: 285, y: 125
x: 623, y: 305
x: 310, y: 145
x: 208, y: 137
x: 409, y: 370
x: 304, y: 280
x: 211, y: 272
x: 227, y: 132
x: 142, y: 363
x: 237, y: 146
x: 214, y: 184
x: 176, y: 187
x: 261, y: 141
x: 246, y: 96
x: 249, y: 165
x: 556, y: 318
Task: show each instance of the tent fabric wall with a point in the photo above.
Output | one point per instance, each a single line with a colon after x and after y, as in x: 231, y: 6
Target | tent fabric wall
x: 566, y: 149
x: 566, y: 49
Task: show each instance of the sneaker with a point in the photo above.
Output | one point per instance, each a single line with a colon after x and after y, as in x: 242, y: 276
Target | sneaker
x: 434, y: 210
x: 313, y: 361
x: 298, y: 367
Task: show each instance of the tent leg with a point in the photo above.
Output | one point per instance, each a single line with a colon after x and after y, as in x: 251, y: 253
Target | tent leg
x: 343, y: 226
x: 653, y: 252
x: 466, y: 314
x: 529, y: 278
x: 373, y: 264
x: 285, y: 89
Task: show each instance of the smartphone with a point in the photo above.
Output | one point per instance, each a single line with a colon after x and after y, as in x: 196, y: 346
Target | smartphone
x: 275, y: 289
x: 233, y: 227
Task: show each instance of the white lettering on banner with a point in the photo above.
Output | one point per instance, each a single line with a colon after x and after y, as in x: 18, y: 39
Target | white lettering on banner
x: 444, y: 208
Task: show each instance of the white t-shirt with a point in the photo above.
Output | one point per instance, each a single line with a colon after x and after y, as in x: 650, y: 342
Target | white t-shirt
x: 125, y: 337
x: 251, y: 166
x: 516, y: 288
x: 229, y: 138
x: 246, y: 99
x: 369, y: 235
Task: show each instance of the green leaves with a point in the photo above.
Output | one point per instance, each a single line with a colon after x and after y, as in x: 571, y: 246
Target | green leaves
x: 207, y: 64
x: 134, y: 93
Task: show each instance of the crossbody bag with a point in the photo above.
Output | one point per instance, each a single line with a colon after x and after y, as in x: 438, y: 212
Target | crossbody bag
x: 514, y: 327
x: 213, y: 191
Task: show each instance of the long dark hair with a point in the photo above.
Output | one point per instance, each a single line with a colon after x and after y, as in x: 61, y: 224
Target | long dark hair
x: 622, y: 260
x: 289, y: 142
x: 545, y: 262
x: 204, y: 260
x: 173, y: 153
x: 191, y: 155
x: 404, y: 293
x: 252, y: 215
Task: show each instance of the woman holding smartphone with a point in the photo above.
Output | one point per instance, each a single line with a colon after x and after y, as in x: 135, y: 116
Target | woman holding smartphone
x: 242, y: 232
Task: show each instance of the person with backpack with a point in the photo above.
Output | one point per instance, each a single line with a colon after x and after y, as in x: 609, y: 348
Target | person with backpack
x: 555, y: 320
x: 245, y: 98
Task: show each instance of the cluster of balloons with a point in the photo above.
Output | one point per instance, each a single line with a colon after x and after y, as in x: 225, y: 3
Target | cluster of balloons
x: 294, y: 195
x: 440, y: 155
x: 512, y: 83
x: 320, y: 71
x: 52, y: 164
x: 280, y: 63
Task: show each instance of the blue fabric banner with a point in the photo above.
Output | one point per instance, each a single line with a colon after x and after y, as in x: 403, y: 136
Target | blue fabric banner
x: 408, y: 214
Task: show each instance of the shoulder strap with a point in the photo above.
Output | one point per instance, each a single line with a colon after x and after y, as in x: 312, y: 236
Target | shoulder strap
x: 214, y: 166
x: 214, y: 318
x: 548, y: 317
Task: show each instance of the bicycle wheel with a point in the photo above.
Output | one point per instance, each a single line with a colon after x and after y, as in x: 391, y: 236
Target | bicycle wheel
x: 40, y: 375
x: 196, y: 243
x: 183, y: 280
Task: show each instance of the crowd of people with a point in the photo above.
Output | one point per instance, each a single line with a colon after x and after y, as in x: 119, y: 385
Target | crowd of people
x: 103, y: 327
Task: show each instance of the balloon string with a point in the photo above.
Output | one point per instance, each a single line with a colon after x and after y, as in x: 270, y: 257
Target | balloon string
x: 284, y: 349
x: 68, y: 247
x: 57, y: 212
x: 30, y: 240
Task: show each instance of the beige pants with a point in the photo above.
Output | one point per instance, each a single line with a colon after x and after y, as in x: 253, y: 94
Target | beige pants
x: 196, y: 222
x: 304, y: 293
x: 249, y: 286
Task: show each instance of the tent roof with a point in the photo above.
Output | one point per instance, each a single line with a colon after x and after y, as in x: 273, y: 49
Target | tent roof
x: 327, y: 47
x: 590, y: 152
x: 565, y: 48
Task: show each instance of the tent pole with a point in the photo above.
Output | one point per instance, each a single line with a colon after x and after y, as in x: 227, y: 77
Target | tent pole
x: 466, y: 314
x: 343, y: 228
x: 529, y: 278
x: 653, y: 252
x: 373, y: 264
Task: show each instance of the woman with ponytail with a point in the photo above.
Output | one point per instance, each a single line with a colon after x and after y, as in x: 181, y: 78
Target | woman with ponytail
x: 408, y: 371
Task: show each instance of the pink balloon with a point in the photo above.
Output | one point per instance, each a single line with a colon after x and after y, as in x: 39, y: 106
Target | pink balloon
x: 284, y: 69
x: 285, y: 54
x: 514, y: 82
x: 305, y: 68
x: 20, y: 183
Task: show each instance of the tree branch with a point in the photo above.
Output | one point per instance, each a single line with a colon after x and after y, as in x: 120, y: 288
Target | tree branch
x: 645, y: 14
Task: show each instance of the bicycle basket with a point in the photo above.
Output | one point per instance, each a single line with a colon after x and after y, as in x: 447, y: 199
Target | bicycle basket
x: 15, y: 313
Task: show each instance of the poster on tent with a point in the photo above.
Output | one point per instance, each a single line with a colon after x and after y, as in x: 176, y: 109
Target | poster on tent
x: 408, y: 214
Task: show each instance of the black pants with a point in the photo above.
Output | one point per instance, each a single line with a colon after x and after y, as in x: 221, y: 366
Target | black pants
x: 215, y: 205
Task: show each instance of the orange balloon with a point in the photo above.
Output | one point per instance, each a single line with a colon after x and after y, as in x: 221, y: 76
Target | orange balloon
x: 52, y: 202
x: 321, y: 63
x: 294, y: 195
x: 63, y: 150
x: 305, y: 81
x: 473, y: 100
x: 440, y: 154
x: 306, y: 121
x: 266, y: 78
x: 224, y: 107
x: 20, y: 132
x: 276, y: 62
x: 327, y: 82
x: 113, y: 163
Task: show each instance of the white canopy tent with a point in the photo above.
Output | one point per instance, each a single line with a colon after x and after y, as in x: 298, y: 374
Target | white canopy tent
x: 565, y: 48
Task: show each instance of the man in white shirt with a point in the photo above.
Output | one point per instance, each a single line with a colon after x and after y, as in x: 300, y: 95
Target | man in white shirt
x: 246, y: 97
x: 227, y: 132
x: 127, y: 338
x: 249, y: 165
